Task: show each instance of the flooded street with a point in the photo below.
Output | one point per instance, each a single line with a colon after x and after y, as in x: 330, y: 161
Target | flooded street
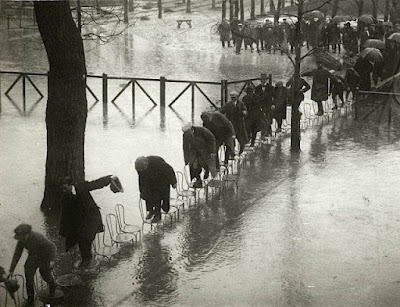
x: 320, y: 228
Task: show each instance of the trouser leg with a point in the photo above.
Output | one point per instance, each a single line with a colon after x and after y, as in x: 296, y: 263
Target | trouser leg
x: 85, y: 248
x: 195, y: 171
x: 320, y: 107
x: 279, y: 122
x: 31, y: 265
x: 157, y: 208
x: 253, y: 135
x: 47, y: 276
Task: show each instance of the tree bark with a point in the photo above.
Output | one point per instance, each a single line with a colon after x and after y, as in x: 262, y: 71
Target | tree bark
x: 223, y: 10
x: 295, y: 121
x: 360, y: 7
x: 374, y: 9
x: 130, y: 5
x: 335, y: 8
x: 241, y: 11
x: 278, y: 11
x: 159, y: 5
x: 271, y: 6
x: 253, y: 10
x: 66, y: 109
x: 387, y: 10
x: 262, y: 8
x: 188, y: 9
x: 125, y: 11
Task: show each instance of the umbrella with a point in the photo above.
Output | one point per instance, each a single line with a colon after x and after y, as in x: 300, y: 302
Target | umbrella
x: 366, y: 19
x: 338, y: 19
x: 372, y: 55
x: 374, y: 43
x: 395, y: 37
x: 314, y: 14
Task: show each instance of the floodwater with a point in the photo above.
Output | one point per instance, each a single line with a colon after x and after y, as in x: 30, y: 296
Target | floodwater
x: 320, y: 228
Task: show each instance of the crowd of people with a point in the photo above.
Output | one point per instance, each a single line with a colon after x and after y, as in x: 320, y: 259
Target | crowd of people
x: 316, y: 32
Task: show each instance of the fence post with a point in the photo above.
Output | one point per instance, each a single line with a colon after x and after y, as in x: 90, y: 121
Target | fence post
x: 105, y: 99
x: 159, y: 9
x: 270, y: 78
x: 356, y: 106
x: 24, y: 93
x: 390, y: 109
x: 226, y: 92
x: 193, y: 95
x: 133, y: 101
x: 162, y: 101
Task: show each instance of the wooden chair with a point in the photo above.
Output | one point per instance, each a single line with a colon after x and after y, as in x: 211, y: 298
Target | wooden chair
x: 123, y: 225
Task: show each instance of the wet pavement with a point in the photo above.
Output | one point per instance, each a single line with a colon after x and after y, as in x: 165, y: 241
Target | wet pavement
x: 315, y: 229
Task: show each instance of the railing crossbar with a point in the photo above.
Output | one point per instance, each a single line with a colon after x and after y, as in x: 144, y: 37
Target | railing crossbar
x: 13, y: 84
x: 180, y: 94
x: 209, y: 100
x: 92, y: 93
x: 121, y: 91
x: 144, y: 91
x: 34, y: 86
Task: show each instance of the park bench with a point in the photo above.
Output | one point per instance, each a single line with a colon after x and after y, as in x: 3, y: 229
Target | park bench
x: 188, y: 21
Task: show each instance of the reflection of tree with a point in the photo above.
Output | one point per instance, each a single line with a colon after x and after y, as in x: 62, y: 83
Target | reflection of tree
x: 156, y: 275
x: 293, y: 286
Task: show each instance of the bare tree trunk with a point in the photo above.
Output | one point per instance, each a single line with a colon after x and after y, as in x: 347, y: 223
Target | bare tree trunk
x: 271, y: 6
x: 241, y: 11
x: 360, y: 4
x: 230, y: 10
x: 130, y: 5
x: 79, y: 13
x: 374, y: 9
x: 295, y: 121
x: 387, y: 10
x: 159, y: 5
x: 253, y: 10
x: 223, y: 10
x: 66, y: 109
x: 125, y: 11
x: 213, y: 4
x: 278, y: 11
x: 335, y: 8
x: 262, y: 8
x: 188, y: 9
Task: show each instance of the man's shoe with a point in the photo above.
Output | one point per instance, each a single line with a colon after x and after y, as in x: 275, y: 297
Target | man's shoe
x: 149, y: 215
x: 156, y: 219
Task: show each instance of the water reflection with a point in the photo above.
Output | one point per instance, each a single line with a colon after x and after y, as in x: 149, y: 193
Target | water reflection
x: 157, y: 277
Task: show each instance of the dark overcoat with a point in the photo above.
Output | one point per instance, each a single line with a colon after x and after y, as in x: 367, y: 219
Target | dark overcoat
x: 255, y: 114
x: 281, y: 99
x: 319, y: 89
x: 236, y: 113
x: 80, y: 216
x: 198, y: 147
x: 155, y: 180
x: 221, y: 127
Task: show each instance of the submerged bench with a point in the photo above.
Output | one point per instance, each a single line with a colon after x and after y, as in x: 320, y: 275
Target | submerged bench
x: 188, y: 21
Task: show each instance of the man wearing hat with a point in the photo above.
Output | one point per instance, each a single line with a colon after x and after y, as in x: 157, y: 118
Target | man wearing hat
x: 199, y: 152
x: 236, y: 112
x: 265, y: 94
x: 155, y: 178
x: 80, y: 216
x: 42, y: 253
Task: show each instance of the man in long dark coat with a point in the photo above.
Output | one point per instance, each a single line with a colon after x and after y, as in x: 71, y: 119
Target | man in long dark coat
x: 199, y: 152
x: 319, y: 89
x: 155, y: 178
x: 265, y: 94
x: 255, y: 118
x: 236, y: 112
x: 80, y: 216
x: 224, y: 30
x: 281, y: 99
x: 223, y: 131
x: 364, y: 69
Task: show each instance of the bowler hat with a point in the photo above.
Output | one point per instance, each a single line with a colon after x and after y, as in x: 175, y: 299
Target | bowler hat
x: 116, y: 185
